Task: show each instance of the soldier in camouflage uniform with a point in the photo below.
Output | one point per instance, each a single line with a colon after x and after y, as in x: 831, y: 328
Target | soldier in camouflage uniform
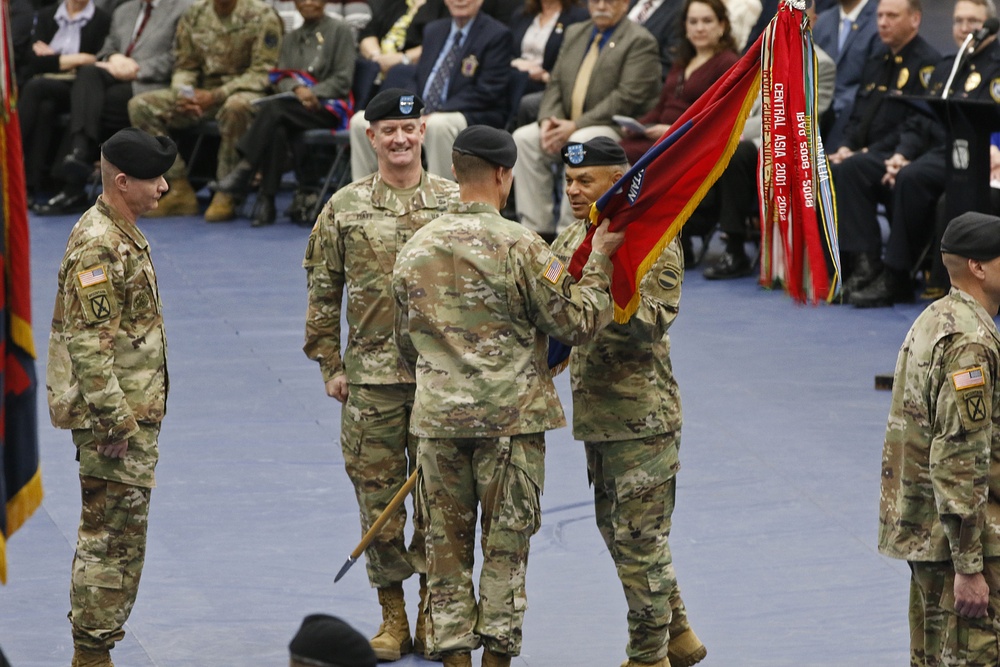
x: 476, y: 295
x: 627, y: 410
x: 107, y: 381
x: 223, y: 52
x: 353, y: 245
x: 940, y: 499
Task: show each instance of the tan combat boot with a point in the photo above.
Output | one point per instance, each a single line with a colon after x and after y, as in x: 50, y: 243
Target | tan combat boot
x: 662, y: 662
x: 221, y: 209
x: 458, y: 660
x: 686, y: 649
x: 393, y: 639
x: 491, y: 659
x: 86, y: 658
x: 178, y: 200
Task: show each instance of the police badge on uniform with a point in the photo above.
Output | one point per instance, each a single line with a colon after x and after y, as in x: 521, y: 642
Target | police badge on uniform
x: 973, y: 81
x: 904, y: 76
x: 405, y: 104
x: 575, y: 153
x: 925, y: 75
x: 470, y: 65
x: 995, y: 90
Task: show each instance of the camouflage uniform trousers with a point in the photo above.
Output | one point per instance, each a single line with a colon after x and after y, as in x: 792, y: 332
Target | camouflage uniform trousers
x: 379, y: 455
x: 110, y: 549
x: 938, y: 636
x: 505, y: 476
x: 154, y: 113
x: 634, y: 485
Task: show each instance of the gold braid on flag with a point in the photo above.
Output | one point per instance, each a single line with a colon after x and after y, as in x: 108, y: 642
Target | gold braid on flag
x: 623, y: 315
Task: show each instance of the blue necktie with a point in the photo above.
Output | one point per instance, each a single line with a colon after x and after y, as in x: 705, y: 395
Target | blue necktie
x: 845, y: 30
x: 436, y: 93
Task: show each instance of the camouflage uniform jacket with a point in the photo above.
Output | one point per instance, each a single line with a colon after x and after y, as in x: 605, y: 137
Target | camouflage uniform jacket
x: 226, y: 55
x: 476, y: 295
x: 107, y: 368
x: 347, y: 247
x: 623, y: 383
x: 940, y: 496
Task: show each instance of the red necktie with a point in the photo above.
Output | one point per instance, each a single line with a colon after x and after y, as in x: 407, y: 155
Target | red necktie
x: 147, y: 10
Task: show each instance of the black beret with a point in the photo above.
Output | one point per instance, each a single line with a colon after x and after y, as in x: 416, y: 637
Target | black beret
x: 393, y: 104
x: 973, y: 235
x: 594, y: 153
x: 139, y: 154
x: 330, y: 641
x: 493, y: 145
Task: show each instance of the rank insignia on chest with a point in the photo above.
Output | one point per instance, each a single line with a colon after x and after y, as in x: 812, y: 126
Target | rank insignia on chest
x: 995, y: 90
x: 553, y: 271
x: 973, y: 82
x: 968, y: 378
x: 575, y: 153
x: 469, y: 66
x: 405, y: 104
x: 92, y: 276
x: 904, y: 76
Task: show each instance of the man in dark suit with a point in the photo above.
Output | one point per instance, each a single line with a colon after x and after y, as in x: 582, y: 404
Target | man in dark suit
x: 137, y: 56
x: 621, y: 75
x: 462, y: 76
x: 660, y: 18
x: 849, y: 34
x: 901, y: 67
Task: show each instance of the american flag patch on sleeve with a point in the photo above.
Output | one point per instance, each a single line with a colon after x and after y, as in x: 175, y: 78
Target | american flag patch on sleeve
x: 92, y: 277
x: 969, y: 378
x: 553, y: 271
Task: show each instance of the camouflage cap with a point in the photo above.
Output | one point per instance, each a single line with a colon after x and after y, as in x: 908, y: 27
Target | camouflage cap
x: 597, y: 152
x: 393, y: 104
x: 493, y: 145
x: 140, y: 154
x: 973, y: 235
x: 327, y: 640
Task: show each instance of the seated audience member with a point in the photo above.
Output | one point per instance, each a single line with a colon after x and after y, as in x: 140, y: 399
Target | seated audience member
x: 394, y: 35
x: 327, y: 641
x: 910, y: 181
x: 317, y: 65
x: 705, y: 53
x: 224, y: 51
x: 538, y: 28
x: 137, y: 57
x: 742, y: 16
x: 355, y: 14
x: 607, y: 65
x: 660, y: 18
x: 462, y: 76
x: 848, y: 33
x: 65, y: 36
x: 901, y: 67
x: 735, y: 192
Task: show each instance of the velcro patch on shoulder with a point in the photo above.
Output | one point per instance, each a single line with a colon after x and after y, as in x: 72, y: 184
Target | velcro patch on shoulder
x: 92, y: 276
x: 554, y: 270
x: 968, y: 378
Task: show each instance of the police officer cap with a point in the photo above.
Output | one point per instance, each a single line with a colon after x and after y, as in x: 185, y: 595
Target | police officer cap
x: 493, y: 145
x: 139, y: 154
x: 594, y: 153
x: 973, y: 235
x: 393, y: 104
x: 327, y: 640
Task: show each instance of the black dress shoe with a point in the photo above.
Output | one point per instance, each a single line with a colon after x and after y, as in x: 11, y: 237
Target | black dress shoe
x: 235, y: 182
x: 866, y: 269
x: 63, y: 204
x: 265, y: 213
x: 76, y: 168
x: 890, y: 287
x: 729, y: 265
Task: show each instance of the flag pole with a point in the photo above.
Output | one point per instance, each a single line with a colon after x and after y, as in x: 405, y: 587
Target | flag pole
x: 393, y: 505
